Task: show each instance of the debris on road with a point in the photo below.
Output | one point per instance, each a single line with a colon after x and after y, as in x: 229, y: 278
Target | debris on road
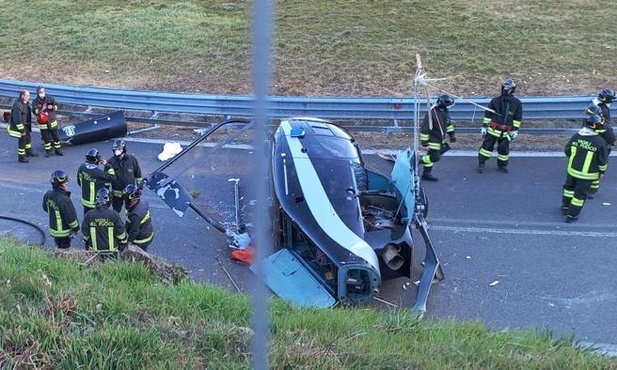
x: 169, y: 151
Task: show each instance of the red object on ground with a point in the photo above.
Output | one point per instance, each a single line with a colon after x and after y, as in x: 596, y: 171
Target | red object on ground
x: 245, y: 256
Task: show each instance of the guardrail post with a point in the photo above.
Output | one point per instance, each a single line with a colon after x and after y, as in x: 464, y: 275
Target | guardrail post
x: 393, y: 128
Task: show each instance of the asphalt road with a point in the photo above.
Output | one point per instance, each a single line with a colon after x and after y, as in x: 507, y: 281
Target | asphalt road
x: 509, y: 258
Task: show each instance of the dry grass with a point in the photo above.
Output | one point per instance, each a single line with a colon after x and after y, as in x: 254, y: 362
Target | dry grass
x: 336, y: 48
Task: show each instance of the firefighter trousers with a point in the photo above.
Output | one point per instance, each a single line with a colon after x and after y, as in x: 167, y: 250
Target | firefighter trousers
x: 431, y: 157
x: 50, y: 138
x: 503, y: 149
x: 24, y: 142
x: 574, y: 194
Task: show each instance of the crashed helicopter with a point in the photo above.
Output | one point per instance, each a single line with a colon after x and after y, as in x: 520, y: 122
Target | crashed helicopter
x: 340, y: 229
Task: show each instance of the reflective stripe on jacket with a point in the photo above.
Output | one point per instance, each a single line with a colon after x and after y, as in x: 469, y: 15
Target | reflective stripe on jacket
x: 139, y: 224
x: 587, y: 155
x: 103, y: 229
x: 62, y: 215
x: 91, y: 179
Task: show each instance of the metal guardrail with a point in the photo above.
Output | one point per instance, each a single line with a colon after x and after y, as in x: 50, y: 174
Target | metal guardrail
x: 356, y: 108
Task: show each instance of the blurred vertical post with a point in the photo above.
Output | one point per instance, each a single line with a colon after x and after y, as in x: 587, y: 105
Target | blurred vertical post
x: 262, y: 27
x: 416, y: 110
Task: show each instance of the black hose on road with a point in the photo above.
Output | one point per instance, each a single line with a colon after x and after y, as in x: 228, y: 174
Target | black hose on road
x: 37, y: 227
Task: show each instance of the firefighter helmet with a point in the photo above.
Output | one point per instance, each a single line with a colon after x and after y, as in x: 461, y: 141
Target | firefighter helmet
x: 93, y: 156
x: 119, y: 144
x: 103, y: 197
x: 593, y: 121
x: 607, y: 96
x: 131, y: 191
x: 595, y: 110
x: 58, y: 178
x: 445, y: 101
x: 508, y: 87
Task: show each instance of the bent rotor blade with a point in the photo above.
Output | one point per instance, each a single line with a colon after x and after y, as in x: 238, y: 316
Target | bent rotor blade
x: 171, y: 192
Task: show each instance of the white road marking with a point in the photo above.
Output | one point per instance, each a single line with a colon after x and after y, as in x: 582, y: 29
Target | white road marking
x: 474, y: 153
x: 492, y: 230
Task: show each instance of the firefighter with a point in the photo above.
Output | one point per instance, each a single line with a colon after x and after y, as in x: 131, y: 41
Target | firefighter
x: 587, y: 154
x: 20, y: 126
x: 44, y: 107
x: 500, y: 125
x: 127, y: 171
x: 103, y: 228
x: 435, y: 125
x: 91, y: 178
x: 603, y: 101
x: 138, y: 218
x: 62, y: 215
x: 602, y: 107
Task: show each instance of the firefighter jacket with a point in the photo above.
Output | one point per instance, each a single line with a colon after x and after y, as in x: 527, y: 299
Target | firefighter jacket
x: 126, y: 170
x: 587, y: 155
x: 139, y: 224
x: 91, y: 179
x: 432, y: 132
x: 605, y: 129
x: 41, y: 105
x: 21, y: 119
x: 507, y: 117
x: 103, y: 229
x: 62, y: 216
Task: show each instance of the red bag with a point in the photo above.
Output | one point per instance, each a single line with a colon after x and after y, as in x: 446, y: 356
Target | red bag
x: 43, y: 117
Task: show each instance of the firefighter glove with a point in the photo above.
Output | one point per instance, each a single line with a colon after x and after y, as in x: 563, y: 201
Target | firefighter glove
x: 513, y: 135
x: 483, y: 130
x: 452, y: 138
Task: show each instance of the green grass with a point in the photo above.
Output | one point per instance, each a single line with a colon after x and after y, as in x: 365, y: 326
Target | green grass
x: 336, y: 47
x: 58, y: 314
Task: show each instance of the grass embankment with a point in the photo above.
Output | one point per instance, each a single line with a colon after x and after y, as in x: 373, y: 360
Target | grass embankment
x: 58, y: 314
x: 336, y: 47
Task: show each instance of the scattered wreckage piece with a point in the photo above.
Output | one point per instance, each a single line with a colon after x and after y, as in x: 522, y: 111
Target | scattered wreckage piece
x: 180, y: 200
x: 96, y: 129
x: 169, y: 151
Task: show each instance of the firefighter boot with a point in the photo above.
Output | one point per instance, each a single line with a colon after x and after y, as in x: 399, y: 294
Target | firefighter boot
x: 480, y: 168
x: 426, y: 174
x: 59, y: 152
x: 565, y: 208
x: 22, y: 158
x: 47, y: 153
x: 30, y: 153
